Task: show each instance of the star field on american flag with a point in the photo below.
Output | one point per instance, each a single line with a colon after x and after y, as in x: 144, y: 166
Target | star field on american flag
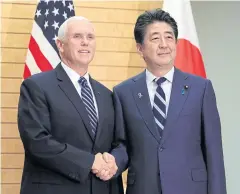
x: 50, y: 15
x: 42, y: 54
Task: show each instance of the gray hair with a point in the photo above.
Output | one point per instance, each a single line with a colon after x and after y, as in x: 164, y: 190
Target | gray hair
x: 63, y: 28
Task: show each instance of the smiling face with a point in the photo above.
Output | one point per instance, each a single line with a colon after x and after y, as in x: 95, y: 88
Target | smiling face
x: 78, y: 45
x: 159, y: 46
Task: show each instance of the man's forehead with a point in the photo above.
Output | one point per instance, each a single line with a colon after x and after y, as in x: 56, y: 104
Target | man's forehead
x: 152, y: 32
x: 81, y: 24
x: 159, y: 30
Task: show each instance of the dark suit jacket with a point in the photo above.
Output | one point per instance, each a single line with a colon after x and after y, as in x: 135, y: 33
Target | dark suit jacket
x: 188, y: 159
x: 58, y: 142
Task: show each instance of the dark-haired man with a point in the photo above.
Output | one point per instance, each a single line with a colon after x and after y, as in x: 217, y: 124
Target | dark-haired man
x: 168, y: 118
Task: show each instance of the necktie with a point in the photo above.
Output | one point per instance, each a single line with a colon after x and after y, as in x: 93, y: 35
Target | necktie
x: 159, y: 106
x: 87, y: 98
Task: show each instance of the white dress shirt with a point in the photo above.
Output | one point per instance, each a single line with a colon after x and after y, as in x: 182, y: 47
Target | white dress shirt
x: 74, y: 77
x: 166, y: 86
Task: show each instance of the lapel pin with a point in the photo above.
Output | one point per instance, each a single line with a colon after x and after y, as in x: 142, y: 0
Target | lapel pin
x: 140, y: 95
x: 184, y: 89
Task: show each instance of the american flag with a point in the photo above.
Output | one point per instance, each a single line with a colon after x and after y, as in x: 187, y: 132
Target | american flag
x: 42, y: 54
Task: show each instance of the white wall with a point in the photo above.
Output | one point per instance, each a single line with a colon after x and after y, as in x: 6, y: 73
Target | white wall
x: 218, y: 27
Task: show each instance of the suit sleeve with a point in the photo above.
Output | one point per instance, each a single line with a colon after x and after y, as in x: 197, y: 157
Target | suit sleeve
x: 120, y: 147
x: 212, y: 142
x: 35, y: 130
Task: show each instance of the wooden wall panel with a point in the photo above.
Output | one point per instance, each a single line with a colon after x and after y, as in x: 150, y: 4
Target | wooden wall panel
x: 116, y: 59
x: 110, y: 44
x: 19, y: 26
x: 95, y: 15
x: 10, y: 188
x: 12, y: 146
x: 9, y: 130
x: 9, y: 115
x: 12, y: 69
x: 9, y: 100
x: 10, y: 85
x: 130, y: 5
x: 12, y: 161
x: 11, y: 176
x: 97, y: 72
x: 103, y: 58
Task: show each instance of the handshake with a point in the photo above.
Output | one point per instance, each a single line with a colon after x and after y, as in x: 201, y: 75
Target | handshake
x: 104, y: 166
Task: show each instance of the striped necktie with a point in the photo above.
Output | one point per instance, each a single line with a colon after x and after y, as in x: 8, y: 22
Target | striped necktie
x: 87, y: 98
x: 159, y: 106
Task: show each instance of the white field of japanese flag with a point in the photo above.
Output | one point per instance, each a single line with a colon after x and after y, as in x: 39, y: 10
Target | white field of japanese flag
x: 189, y: 58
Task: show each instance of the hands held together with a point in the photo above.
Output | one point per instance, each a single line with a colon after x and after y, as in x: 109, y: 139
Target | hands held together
x: 104, y: 166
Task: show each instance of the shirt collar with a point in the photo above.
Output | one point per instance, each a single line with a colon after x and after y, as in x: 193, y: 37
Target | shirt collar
x: 73, y: 75
x: 150, y: 77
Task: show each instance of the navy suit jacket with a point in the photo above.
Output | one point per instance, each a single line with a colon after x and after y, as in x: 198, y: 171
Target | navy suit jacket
x: 56, y: 134
x: 188, y: 159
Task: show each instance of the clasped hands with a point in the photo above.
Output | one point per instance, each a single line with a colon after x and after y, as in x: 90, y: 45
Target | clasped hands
x: 104, y: 166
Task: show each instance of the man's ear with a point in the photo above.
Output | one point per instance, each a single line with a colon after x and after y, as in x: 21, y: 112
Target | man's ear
x: 139, y: 49
x: 59, y: 44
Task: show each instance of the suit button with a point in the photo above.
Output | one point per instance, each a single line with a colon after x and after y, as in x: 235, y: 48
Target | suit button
x: 161, y: 149
x: 160, y: 173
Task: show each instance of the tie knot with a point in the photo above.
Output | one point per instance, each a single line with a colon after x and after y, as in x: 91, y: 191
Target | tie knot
x: 82, y: 81
x: 160, y: 80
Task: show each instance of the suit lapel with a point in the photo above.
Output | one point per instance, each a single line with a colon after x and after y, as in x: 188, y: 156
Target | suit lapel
x: 179, y: 94
x: 69, y: 90
x: 141, y: 96
x: 99, y: 98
